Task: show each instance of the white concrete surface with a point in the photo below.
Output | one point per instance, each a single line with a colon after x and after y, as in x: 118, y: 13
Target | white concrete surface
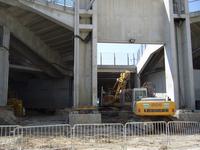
x: 148, y: 53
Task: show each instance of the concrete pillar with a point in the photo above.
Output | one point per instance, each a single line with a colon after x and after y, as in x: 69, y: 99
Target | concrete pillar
x: 76, y: 55
x: 178, y: 58
x: 94, y: 53
x: 4, y: 64
x: 137, y: 81
x: 85, y: 56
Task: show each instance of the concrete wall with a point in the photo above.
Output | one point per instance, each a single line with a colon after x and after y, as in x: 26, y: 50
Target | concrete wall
x: 197, y: 84
x: 158, y: 81
x: 122, y: 20
x: 52, y: 93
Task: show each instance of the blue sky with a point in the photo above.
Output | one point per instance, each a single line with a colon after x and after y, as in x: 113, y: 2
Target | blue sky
x: 194, y: 6
x: 121, y: 50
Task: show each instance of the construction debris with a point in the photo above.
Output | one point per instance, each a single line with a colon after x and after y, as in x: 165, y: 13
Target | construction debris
x: 7, y: 116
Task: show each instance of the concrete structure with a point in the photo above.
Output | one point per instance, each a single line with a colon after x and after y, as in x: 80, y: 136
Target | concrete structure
x: 195, y: 31
x: 152, y: 60
x: 67, y: 47
x: 4, y: 64
x: 78, y: 118
x: 116, y: 69
x: 151, y: 68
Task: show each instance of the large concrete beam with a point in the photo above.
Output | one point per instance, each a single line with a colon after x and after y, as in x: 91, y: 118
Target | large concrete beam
x: 24, y: 68
x: 119, y: 69
x: 122, y: 20
x: 58, y: 15
x: 32, y: 41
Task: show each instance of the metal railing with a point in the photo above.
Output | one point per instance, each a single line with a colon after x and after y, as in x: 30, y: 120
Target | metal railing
x: 137, y: 135
x: 67, y: 3
x: 100, y: 135
x: 7, y: 137
x: 183, y: 135
x: 143, y: 134
x: 44, y: 137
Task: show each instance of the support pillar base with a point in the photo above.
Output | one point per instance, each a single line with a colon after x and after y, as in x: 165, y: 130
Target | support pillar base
x: 187, y: 115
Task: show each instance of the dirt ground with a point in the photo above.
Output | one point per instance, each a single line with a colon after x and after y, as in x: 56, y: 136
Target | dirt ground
x: 191, y: 142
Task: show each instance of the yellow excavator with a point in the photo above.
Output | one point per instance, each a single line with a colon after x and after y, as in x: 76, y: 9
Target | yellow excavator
x: 113, y: 97
x: 142, y: 103
x: 151, y: 106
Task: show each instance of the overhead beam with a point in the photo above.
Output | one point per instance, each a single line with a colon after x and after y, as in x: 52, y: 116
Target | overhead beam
x: 116, y: 69
x: 24, y: 68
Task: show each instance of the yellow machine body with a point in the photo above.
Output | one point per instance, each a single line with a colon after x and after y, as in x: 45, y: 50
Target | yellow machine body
x: 154, y: 108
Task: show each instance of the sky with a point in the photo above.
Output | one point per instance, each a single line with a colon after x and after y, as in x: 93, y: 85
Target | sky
x: 194, y: 6
x: 106, y: 51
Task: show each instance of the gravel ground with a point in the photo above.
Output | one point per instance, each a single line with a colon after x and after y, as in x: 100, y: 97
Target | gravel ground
x: 191, y: 142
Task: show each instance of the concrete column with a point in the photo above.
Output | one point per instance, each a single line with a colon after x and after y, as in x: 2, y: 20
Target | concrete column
x: 85, y: 73
x: 85, y: 57
x: 76, y: 55
x: 137, y: 81
x: 94, y: 53
x: 4, y: 65
x: 178, y: 58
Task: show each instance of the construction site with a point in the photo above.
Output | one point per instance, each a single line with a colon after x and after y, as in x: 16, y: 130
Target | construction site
x: 60, y: 90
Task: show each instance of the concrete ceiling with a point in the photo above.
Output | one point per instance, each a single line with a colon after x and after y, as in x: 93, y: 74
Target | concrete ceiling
x: 156, y: 64
x: 49, y: 41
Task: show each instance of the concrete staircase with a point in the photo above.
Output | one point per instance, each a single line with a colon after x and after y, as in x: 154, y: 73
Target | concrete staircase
x: 50, y: 9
